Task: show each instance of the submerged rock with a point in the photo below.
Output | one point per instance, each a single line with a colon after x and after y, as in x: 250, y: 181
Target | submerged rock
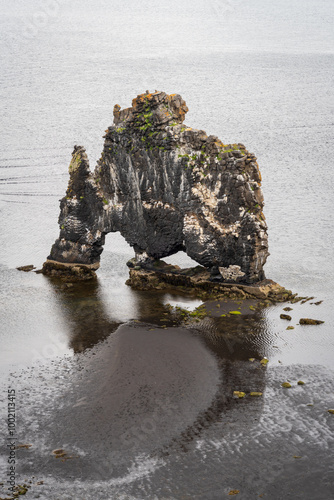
x: 165, y: 187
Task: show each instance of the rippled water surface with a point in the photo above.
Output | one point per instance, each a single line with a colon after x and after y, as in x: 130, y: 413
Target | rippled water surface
x: 148, y: 412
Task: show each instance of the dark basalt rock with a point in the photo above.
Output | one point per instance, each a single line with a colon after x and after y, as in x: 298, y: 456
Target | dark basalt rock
x: 165, y: 187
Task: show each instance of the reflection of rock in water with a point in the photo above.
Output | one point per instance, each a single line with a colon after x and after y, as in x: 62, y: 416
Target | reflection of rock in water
x: 85, y: 313
x: 147, y: 390
x: 227, y: 340
x: 235, y: 375
x: 139, y: 391
x: 234, y: 337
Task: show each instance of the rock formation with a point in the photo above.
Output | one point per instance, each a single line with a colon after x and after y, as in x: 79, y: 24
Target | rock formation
x: 165, y: 187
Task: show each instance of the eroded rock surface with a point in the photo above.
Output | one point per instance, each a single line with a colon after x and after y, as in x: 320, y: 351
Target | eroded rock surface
x: 166, y: 187
x: 197, y: 280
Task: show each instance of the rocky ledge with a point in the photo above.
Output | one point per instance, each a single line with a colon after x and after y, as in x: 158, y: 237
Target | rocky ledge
x: 198, y: 281
x: 165, y: 187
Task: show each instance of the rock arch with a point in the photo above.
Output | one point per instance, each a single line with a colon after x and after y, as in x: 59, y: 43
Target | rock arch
x: 166, y: 187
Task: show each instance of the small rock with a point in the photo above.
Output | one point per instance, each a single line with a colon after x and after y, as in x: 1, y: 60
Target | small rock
x: 264, y: 361
x: 239, y: 394
x: 59, y: 451
x: 286, y: 385
x: 308, y: 321
x: 290, y: 327
x: 234, y: 312
x: 306, y: 300
x: 251, y: 360
x: 26, y: 269
x: 331, y: 411
x: 287, y: 309
x: 300, y: 382
x: 234, y: 492
x: 256, y: 394
x: 285, y: 316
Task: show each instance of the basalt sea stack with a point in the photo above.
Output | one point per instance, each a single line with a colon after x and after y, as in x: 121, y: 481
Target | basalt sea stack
x: 165, y: 187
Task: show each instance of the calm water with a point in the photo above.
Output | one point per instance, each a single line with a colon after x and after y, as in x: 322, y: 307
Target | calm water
x: 250, y: 72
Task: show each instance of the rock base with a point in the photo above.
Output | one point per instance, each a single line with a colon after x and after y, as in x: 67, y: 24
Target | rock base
x: 69, y: 272
x: 198, y: 281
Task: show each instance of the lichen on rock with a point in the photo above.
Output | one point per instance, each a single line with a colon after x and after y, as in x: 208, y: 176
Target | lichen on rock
x: 165, y: 187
